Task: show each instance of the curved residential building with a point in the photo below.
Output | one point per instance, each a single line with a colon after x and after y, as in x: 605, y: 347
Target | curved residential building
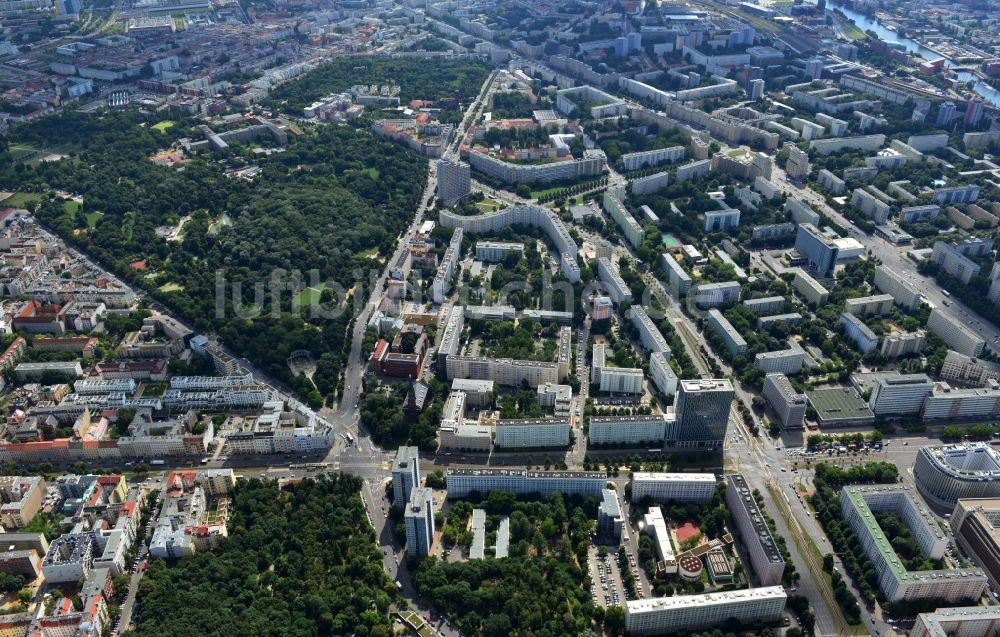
x: 528, y: 215
x: 948, y: 473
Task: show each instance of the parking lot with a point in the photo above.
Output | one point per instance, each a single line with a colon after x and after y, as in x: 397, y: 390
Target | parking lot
x: 606, y: 581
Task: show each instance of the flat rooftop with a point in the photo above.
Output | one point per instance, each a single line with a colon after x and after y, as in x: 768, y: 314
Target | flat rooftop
x: 704, y: 600
x: 839, y: 403
x: 673, y: 477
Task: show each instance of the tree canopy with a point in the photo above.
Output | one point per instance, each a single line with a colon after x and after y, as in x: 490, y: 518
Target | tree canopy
x: 299, y: 562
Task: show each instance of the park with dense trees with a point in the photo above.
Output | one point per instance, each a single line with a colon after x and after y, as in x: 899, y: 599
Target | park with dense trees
x: 299, y: 562
x: 312, y: 220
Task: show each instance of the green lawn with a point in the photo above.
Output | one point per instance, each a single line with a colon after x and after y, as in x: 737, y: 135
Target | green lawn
x: 17, y: 151
x: 373, y: 173
x: 71, y: 207
x: 309, y: 296
x: 852, y: 31
x: 21, y: 199
x: 164, y: 126
x: 92, y: 218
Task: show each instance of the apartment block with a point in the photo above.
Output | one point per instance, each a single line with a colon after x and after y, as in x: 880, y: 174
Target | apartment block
x: 524, y: 214
x: 854, y: 328
x: 857, y: 505
x: 709, y: 295
x: 503, y: 371
x: 952, y: 261
x: 872, y: 207
x: 405, y: 474
x: 616, y: 287
x: 947, y: 403
x: 454, y: 181
x: 731, y: 338
x: 621, y: 380
x: 497, y: 251
x: 785, y: 361
x: 678, y: 278
x: 685, y: 613
x: 590, y: 165
x: 21, y: 499
x: 630, y: 228
x: 662, y: 375
x: 954, y: 333
x: 765, y: 305
x: 831, y: 182
x: 899, y: 344
x: 462, y: 482
x: 894, y: 284
x: 965, y: 621
x: 876, y: 305
x: 649, y: 335
x: 673, y: 487
x: 648, y: 158
x: 968, y: 369
x: 628, y: 430
x: 442, y: 283
x: 419, y: 522
x: 787, y: 403
x: 811, y: 290
x: 765, y: 558
x: 532, y: 433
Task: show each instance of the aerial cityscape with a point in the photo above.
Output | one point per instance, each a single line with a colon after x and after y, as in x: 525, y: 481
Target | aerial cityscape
x: 465, y: 318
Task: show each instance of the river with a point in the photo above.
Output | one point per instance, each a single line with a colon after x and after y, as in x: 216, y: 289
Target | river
x: 870, y: 24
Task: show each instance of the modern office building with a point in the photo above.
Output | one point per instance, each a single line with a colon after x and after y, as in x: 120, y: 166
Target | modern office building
x: 858, y: 505
x: 462, y: 482
x: 854, y: 328
x: 787, y: 403
x: 532, y: 433
x: 950, y: 473
x: 662, y: 374
x: 419, y: 522
x: 685, y: 613
x: 821, y: 250
x: 405, y: 474
x: 673, y: 487
x: 731, y: 337
x: 895, y: 394
x: 975, y: 523
x: 765, y: 557
x: 454, y: 181
x: 954, y: 333
x: 646, y: 430
x: 965, y: 621
x: 709, y: 295
x: 702, y: 408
